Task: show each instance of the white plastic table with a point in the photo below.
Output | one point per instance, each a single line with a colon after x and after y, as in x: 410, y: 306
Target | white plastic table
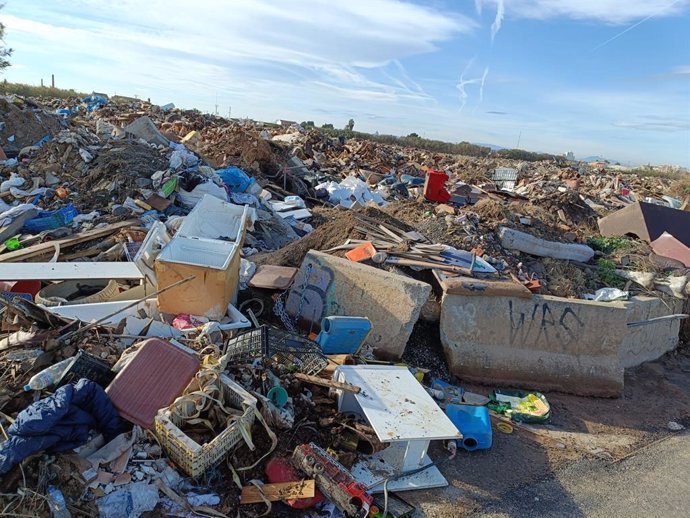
x: 402, y: 413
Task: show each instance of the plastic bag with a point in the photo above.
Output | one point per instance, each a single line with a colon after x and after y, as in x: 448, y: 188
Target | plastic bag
x: 190, y: 199
x: 235, y: 178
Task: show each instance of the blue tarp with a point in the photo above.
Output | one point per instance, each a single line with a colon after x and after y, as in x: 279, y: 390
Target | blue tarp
x: 60, y: 422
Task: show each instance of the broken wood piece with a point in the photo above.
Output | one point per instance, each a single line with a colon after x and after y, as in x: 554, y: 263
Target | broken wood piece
x: 428, y: 264
x: 48, y: 247
x: 322, y: 382
x: 278, y: 491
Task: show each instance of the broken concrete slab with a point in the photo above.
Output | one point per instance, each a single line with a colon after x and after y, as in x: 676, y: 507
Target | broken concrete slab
x: 648, y: 342
x: 144, y: 128
x: 553, y: 343
x: 647, y: 221
x: 326, y: 285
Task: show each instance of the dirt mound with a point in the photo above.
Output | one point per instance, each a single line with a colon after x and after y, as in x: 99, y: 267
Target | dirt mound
x: 21, y: 126
x: 239, y: 146
x: 336, y: 228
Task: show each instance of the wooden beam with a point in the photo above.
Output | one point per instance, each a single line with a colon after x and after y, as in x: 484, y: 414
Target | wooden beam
x: 278, y: 491
x: 49, y: 246
x: 322, y: 382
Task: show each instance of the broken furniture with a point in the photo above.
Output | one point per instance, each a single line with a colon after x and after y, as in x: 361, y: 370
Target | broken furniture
x: 152, y: 379
x: 402, y: 414
x: 215, y: 266
x: 206, y: 247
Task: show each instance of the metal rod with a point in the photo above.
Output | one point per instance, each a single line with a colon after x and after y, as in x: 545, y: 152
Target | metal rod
x: 107, y: 317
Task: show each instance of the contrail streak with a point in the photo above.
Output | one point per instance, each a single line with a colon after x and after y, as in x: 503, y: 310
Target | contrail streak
x: 635, y: 25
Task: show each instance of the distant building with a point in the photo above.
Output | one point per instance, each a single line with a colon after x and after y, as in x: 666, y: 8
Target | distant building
x: 570, y: 156
x: 105, y: 96
x: 286, y: 124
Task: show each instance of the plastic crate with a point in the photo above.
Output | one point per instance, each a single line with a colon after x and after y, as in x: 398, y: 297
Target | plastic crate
x: 48, y: 220
x: 87, y: 366
x: 193, y: 458
x: 286, y: 348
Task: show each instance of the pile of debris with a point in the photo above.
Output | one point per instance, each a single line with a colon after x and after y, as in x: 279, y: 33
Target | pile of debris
x: 203, y: 316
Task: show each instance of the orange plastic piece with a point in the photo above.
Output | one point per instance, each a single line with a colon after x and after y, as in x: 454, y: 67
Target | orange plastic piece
x: 361, y: 253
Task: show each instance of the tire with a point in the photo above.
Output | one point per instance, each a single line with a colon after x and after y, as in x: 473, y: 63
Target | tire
x: 56, y: 294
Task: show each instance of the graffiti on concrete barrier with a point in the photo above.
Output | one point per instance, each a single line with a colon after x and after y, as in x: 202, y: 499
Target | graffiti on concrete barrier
x: 543, y: 323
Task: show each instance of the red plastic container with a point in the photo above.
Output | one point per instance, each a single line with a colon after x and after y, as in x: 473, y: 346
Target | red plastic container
x: 435, y: 186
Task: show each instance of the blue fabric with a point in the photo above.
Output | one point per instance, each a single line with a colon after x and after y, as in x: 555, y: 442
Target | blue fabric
x: 60, y: 422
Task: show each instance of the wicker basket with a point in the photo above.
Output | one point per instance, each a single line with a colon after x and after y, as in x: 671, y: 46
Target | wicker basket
x: 193, y: 458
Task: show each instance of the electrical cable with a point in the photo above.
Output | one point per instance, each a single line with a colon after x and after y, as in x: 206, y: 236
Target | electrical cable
x: 401, y: 475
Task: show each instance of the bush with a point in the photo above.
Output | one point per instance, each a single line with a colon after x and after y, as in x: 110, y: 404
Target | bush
x: 25, y: 90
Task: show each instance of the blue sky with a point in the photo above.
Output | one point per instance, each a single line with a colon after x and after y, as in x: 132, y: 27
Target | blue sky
x: 597, y: 77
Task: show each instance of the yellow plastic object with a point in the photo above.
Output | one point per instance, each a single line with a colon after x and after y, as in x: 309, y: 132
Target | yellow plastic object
x: 504, y: 427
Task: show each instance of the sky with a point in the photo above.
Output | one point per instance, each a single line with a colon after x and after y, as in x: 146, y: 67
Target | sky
x: 596, y: 77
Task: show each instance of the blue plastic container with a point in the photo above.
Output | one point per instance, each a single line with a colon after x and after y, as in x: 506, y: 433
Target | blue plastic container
x: 51, y: 219
x: 343, y: 335
x: 475, y: 425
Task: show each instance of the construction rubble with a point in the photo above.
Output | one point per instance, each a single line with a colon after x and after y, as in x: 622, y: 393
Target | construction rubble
x: 213, y: 317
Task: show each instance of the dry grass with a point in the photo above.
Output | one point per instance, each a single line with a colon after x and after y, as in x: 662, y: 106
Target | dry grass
x: 567, y: 280
x: 492, y: 212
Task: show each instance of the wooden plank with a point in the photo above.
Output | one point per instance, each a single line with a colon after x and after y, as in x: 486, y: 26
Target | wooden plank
x: 391, y: 234
x: 68, y: 271
x: 278, y: 491
x: 347, y: 387
x: 49, y: 247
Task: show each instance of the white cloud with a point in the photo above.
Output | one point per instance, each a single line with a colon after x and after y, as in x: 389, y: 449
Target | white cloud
x: 681, y: 70
x: 607, y: 11
x: 319, y: 51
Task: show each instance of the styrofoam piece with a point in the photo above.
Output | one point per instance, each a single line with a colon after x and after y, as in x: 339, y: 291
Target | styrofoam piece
x: 297, y: 214
x: 99, y: 310
x: 209, y: 253
x: 212, y: 218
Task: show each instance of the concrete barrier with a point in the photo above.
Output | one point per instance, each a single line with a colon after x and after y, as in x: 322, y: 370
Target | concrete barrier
x: 326, y: 285
x: 551, y: 343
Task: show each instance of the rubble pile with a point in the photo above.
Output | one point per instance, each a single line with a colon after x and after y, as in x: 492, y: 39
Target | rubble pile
x: 203, y: 316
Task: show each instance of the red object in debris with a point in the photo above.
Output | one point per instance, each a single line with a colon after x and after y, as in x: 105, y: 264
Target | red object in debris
x: 31, y: 287
x: 534, y: 285
x: 333, y: 479
x: 279, y: 470
x: 3, y: 156
x: 157, y: 374
x: 435, y: 186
